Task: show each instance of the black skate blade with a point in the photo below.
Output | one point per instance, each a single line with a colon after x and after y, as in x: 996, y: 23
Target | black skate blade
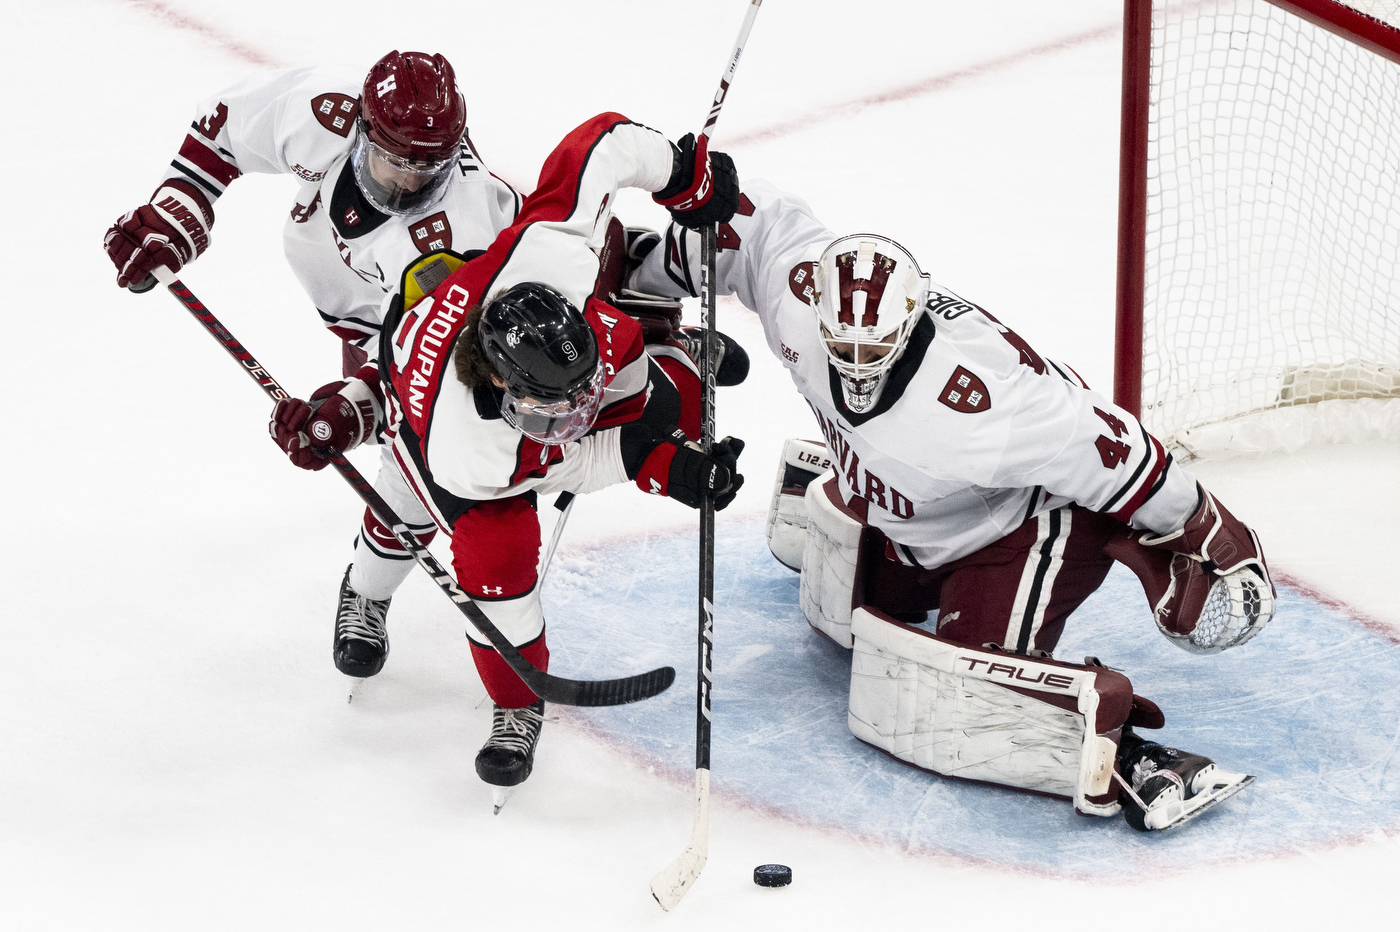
x: 1211, y: 804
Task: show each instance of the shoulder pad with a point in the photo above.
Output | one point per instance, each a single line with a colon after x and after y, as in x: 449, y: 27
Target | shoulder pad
x: 423, y: 276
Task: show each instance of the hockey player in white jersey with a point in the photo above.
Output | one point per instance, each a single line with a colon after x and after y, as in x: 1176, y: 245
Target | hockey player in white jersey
x: 387, y: 174
x: 972, y: 477
x: 513, y: 374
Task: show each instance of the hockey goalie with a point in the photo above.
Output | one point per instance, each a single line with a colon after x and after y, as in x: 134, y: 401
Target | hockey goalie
x: 968, y: 496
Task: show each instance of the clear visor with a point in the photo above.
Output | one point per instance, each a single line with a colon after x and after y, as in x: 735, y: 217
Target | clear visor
x: 396, y: 185
x: 556, y: 422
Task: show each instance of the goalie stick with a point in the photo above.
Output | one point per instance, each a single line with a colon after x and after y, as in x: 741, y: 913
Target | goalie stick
x: 676, y: 878
x: 547, y: 687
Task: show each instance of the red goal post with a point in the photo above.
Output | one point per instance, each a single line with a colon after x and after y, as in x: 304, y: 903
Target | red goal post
x: 1258, y: 301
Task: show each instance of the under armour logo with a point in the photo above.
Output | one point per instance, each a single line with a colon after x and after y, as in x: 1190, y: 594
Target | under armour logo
x: 385, y: 86
x: 490, y: 590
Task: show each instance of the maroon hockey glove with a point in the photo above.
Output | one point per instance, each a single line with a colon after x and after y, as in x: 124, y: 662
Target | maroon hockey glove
x: 1178, y: 571
x: 339, y: 417
x: 679, y: 469
x: 172, y: 230
x: 704, y: 187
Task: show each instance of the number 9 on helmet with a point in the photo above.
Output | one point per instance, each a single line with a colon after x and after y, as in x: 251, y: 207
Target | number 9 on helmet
x: 546, y: 356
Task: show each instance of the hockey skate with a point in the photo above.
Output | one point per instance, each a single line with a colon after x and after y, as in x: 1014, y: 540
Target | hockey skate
x: 508, y: 756
x: 1166, y: 787
x: 361, y: 638
x: 731, y: 363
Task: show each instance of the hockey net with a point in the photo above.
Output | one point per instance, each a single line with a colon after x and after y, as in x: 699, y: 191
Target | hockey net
x: 1259, y: 280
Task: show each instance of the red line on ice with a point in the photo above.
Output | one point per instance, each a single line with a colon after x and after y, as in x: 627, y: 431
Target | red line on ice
x: 212, y: 34
x: 919, y: 88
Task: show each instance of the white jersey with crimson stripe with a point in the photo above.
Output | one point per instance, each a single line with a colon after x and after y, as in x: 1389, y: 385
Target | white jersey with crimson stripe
x: 346, y: 254
x: 974, y: 432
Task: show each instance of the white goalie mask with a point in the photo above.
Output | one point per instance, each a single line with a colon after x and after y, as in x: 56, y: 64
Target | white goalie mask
x: 869, y: 293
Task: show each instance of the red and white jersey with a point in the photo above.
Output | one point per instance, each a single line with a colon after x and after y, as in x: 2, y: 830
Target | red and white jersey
x: 449, y: 440
x: 974, y: 432
x: 346, y: 254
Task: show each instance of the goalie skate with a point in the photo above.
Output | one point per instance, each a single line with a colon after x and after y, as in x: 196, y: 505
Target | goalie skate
x: 1167, y: 788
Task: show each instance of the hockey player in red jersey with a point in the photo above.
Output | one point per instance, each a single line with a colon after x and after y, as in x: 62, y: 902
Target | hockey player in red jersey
x: 387, y: 174
x: 506, y: 375
x: 972, y: 477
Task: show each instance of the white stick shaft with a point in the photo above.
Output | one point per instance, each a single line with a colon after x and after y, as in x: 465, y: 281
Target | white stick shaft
x: 672, y: 883
x: 554, y: 540
x: 733, y: 66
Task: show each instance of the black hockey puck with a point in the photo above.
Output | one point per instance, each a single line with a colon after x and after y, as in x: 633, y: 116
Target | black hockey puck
x: 772, y: 875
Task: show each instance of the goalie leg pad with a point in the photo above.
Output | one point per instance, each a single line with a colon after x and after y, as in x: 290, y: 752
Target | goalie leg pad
x: 1037, y: 725
x: 801, y: 461
x: 831, y: 556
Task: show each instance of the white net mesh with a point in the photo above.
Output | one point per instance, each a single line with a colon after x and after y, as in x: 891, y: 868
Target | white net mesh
x: 1273, y: 231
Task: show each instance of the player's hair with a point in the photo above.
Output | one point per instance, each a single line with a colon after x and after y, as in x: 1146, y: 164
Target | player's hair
x: 473, y: 368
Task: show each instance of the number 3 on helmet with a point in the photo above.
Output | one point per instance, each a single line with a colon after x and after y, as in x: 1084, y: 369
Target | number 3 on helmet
x: 868, y: 294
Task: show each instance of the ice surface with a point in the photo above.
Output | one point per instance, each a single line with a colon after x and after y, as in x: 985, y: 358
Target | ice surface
x: 1297, y: 707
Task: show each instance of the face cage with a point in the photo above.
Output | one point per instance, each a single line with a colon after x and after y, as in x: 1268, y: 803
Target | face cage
x: 557, y: 422
x: 861, y: 382
x: 415, y: 186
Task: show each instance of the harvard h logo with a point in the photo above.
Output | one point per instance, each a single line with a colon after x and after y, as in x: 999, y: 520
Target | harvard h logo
x: 874, y: 287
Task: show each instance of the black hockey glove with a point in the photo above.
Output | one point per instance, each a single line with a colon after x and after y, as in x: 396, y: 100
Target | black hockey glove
x: 704, y: 187
x: 692, y: 473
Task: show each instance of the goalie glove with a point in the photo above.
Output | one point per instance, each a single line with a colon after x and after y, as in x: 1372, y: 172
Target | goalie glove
x: 679, y: 469
x: 339, y: 417
x: 704, y: 187
x: 172, y: 230
x: 1207, y: 582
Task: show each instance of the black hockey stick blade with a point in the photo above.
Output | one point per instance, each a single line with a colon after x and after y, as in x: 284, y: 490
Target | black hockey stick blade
x: 607, y: 692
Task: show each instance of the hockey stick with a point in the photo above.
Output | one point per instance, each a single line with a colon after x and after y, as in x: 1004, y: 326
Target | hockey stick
x: 565, y: 503
x: 549, y: 688
x: 676, y: 878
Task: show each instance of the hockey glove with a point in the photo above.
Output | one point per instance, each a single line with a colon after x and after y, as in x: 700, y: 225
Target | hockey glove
x: 679, y: 469
x: 339, y: 417
x: 704, y: 187
x: 172, y: 230
x: 1208, y: 583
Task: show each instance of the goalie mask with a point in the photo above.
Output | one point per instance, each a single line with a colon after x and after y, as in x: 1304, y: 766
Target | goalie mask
x: 869, y: 293
x: 542, y: 347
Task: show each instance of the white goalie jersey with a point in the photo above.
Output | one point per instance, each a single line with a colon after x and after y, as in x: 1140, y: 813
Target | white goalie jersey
x: 346, y: 254
x: 974, y: 432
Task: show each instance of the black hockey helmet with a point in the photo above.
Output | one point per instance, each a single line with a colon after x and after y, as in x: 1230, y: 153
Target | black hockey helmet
x: 545, y: 351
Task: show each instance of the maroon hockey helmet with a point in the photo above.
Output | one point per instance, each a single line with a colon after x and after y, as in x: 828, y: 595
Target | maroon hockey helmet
x: 412, y: 119
x: 411, y: 106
